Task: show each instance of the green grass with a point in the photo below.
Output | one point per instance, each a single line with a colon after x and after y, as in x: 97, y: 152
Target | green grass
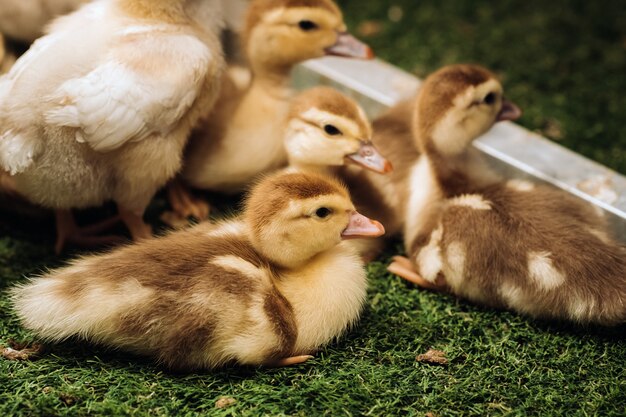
x: 565, y: 66
x: 501, y: 364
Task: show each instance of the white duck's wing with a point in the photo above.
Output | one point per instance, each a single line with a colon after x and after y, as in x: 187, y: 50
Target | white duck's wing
x: 19, y: 147
x: 146, y: 84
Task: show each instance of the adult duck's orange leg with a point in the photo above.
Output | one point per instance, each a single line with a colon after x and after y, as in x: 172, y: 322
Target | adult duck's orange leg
x: 69, y: 232
x: 134, y: 222
x: 184, y: 203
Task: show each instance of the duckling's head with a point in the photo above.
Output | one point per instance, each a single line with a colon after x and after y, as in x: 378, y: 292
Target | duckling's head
x: 456, y: 105
x: 281, y: 33
x: 294, y: 217
x: 326, y: 128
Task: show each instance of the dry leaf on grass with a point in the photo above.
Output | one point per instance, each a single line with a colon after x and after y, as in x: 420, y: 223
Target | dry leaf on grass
x: 68, y: 399
x: 21, y: 351
x: 433, y: 357
x: 225, y: 402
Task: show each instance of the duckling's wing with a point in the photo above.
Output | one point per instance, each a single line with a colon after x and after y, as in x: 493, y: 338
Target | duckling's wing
x: 18, y: 146
x: 147, y: 82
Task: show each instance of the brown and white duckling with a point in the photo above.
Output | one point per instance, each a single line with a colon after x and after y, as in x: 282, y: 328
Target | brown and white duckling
x: 244, y: 136
x: 115, y: 117
x: 513, y: 244
x: 326, y: 130
x: 269, y: 288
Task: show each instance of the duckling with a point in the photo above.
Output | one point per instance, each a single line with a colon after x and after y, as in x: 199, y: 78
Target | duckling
x: 509, y: 244
x: 25, y: 20
x: 324, y: 131
x: 244, y: 136
x: 115, y: 118
x: 327, y: 130
x: 269, y: 288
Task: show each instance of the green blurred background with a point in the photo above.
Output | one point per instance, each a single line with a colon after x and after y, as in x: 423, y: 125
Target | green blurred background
x: 562, y: 61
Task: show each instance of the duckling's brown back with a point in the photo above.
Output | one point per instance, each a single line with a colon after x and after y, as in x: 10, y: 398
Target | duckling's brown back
x: 535, y: 250
x: 189, y: 299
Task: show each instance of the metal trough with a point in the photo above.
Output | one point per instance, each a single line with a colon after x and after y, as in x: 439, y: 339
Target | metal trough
x: 512, y: 150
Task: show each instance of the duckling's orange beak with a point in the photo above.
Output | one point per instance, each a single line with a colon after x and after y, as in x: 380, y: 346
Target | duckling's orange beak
x: 360, y: 226
x: 350, y: 47
x: 368, y: 157
x: 509, y: 111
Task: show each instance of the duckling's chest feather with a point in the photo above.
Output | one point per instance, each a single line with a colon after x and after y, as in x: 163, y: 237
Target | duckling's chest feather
x: 327, y: 296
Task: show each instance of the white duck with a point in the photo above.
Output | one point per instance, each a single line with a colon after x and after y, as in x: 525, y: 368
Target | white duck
x: 110, y: 122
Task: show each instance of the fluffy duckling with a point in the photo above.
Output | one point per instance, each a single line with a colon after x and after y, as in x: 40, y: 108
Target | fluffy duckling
x: 25, y: 20
x: 244, y: 136
x: 513, y: 244
x: 267, y: 289
x: 326, y: 130
x: 115, y: 118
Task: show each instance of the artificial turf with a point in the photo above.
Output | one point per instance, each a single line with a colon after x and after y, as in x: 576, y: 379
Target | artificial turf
x: 564, y: 62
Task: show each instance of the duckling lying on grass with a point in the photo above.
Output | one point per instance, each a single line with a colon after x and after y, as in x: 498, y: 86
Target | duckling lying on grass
x: 268, y: 289
x: 516, y: 245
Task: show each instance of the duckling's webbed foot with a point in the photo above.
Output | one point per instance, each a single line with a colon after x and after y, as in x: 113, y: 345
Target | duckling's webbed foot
x: 69, y: 232
x: 294, y: 360
x: 403, y: 267
x: 185, y: 204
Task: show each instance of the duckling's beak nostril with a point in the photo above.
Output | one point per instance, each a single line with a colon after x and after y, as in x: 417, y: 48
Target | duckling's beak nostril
x: 369, y: 157
x: 350, y: 47
x: 360, y: 226
x: 509, y: 111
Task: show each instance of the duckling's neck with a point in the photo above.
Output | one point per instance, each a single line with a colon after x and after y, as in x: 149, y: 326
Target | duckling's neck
x: 327, y: 170
x: 275, y: 84
x: 203, y: 14
x: 435, y: 178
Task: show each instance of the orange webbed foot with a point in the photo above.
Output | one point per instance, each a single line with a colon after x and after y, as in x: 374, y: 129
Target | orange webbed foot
x: 405, y: 269
x: 185, y: 204
x: 69, y: 233
x: 294, y: 360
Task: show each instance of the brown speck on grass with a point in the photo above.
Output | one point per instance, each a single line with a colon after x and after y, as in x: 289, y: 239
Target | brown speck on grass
x: 68, y: 399
x: 433, y: 357
x: 17, y: 351
x: 225, y: 402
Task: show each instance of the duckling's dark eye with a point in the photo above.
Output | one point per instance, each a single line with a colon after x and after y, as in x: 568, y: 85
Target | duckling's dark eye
x: 323, y: 212
x: 307, y: 25
x: 490, y: 98
x: 332, y: 130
